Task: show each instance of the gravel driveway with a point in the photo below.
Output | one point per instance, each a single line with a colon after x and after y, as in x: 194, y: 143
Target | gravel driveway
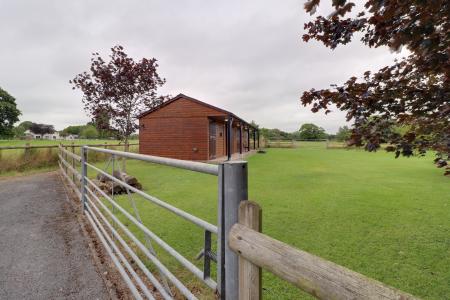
x: 43, y: 253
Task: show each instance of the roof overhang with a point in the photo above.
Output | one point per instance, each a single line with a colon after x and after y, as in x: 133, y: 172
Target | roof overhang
x: 182, y: 96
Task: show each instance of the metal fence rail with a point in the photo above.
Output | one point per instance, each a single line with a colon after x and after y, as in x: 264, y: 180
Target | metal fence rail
x: 203, y: 224
x: 177, y: 163
x: 116, y: 237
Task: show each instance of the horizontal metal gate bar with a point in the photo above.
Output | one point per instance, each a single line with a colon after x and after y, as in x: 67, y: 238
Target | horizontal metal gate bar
x: 121, y: 270
x: 181, y: 259
x: 177, y: 163
x: 199, y: 222
x: 127, y: 248
x: 114, y: 247
x: 152, y: 258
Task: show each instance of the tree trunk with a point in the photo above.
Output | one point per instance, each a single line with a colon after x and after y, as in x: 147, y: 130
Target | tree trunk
x: 124, y: 160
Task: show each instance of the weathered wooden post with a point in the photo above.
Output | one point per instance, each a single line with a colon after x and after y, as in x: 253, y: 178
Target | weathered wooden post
x: 73, y: 163
x: 233, y: 188
x: 249, y: 274
x: 27, y: 150
x: 83, y: 176
x: 65, y: 158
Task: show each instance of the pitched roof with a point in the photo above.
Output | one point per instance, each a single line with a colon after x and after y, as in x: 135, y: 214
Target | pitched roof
x: 182, y: 96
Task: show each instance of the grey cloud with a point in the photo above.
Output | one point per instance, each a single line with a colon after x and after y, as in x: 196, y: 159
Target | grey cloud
x: 245, y: 56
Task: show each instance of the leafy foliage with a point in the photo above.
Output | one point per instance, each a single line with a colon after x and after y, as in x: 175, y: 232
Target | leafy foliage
x: 9, y: 114
x: 72, y: 129
x: 414, y: 92
x: 309, y: 131
x: 19, y: 130
x: 89, y: 132
x: 344, y: 133
x: 25, y: 124
x: 275, y: 134
x: 41, y: 128
x: 117, y: 91
x: 101, y: 119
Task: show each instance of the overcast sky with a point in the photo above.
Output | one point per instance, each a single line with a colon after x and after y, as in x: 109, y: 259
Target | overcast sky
x: 244, y: 56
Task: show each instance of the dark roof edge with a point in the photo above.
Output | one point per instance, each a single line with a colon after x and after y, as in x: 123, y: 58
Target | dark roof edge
x: 179, y: 96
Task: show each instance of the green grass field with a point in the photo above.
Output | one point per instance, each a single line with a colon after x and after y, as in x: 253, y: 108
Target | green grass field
x: 386, y: 218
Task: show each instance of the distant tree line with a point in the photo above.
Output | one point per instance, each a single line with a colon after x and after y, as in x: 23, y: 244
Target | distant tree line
x: 88, y: 131
x: 307, y: 131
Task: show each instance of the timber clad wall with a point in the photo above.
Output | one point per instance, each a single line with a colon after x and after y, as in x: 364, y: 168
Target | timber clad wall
x: 180, y: 129
x: 183, y: 138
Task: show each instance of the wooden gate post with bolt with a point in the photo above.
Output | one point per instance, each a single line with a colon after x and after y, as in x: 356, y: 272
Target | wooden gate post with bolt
x: 233, y: 188
x: 249, y: 273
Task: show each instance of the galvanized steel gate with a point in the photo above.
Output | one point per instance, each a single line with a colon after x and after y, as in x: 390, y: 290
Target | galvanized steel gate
x: 232, y: 188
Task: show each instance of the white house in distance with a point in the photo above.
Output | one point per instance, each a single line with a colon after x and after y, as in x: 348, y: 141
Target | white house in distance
x: 47, y: 136
x: 71, y: 137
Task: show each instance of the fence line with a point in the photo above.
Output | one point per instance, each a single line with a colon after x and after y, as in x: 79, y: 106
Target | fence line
x: 280, y: 144
x: 63, y: 145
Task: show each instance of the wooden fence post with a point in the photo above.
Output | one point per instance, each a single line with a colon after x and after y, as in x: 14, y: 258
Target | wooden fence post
x: 27, y: 151
x: 65, y: 158
x: 73, y: 162
x: 249, y: 274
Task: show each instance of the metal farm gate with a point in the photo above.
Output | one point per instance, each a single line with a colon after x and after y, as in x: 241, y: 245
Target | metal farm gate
x: 232, y: 188
x: 242, y: 250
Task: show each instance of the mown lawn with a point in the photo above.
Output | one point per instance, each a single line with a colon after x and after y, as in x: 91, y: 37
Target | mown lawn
x: 383, y: 217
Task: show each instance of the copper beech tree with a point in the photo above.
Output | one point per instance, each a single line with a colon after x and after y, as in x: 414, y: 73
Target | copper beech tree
x: 413, y: 93
x: 118, y: 90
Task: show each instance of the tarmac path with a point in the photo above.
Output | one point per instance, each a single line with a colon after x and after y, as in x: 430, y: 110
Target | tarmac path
x: 43, y: 252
